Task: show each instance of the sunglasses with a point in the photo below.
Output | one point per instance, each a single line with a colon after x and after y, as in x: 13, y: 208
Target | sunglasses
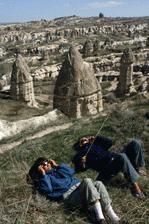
x: 84, y: 139
x: 45, y: 163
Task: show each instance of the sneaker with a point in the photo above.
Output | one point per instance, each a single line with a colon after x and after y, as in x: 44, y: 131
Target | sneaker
x: 116, y: 222
x: 93, y: 217
x: 112, y: 215
x: 102, y: 221
x: 142, y: 172
x: 140, y: 195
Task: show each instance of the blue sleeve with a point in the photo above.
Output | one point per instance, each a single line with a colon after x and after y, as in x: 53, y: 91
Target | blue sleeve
x: 45, y: 184
x: 65, y: 170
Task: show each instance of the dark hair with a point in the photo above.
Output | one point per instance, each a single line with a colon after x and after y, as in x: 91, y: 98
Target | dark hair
x: 104, y: 142
x: 33, y: 172
x: 76, y: 146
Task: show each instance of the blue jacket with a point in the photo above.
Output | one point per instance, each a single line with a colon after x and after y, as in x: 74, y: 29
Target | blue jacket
x: 98, y: 156
x: 56, y: 181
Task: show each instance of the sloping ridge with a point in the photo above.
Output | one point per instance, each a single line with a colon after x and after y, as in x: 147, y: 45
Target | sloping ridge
x: 9, y: 129
x: 9, y: 146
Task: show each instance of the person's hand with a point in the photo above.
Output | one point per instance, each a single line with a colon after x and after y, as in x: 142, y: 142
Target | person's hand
x: 91, y: 138
x: 41, y: 170
x: 83, y: 160
x: 53, y: 163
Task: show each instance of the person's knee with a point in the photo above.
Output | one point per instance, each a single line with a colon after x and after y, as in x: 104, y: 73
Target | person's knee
x: 99, y: 184
x: 136, y: 144
x: 87, y: 181
x: 123, y: 158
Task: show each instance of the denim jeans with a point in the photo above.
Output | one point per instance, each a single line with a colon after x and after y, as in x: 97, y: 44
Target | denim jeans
x: 134, y: 151
x: 128, y: 161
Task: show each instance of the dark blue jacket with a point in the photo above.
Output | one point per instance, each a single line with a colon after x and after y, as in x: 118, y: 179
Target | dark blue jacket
x: 56, y: 181
x: 98, y: 156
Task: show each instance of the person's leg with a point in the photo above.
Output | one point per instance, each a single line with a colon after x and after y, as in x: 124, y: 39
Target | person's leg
x: 88, y: 196
x: 102, y: 191
x: 134, y: 152
x: 85, y: 194
x: 122, y: 163
x: 127, y: 168
x: 130, y: 173
x: 111, y: 169
x: 119, y: 163
x: 106, y: 201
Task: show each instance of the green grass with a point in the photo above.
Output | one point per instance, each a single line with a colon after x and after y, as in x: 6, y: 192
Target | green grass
x: 19, y: 205
x: 5, y: 67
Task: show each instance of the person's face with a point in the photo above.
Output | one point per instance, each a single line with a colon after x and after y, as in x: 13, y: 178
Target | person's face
x: 46, y: 166
x: 84, y: 141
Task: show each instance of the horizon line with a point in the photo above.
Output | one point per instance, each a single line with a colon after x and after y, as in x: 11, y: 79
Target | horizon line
x: 61, y: 17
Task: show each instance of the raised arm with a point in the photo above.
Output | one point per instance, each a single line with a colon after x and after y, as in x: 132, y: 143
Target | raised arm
x: 65, y: 170
x: 104, y: 142
x: 44, y: 184
x: 78, y: 162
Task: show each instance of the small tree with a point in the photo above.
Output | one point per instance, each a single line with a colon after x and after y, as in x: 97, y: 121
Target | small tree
x: 101, y: 15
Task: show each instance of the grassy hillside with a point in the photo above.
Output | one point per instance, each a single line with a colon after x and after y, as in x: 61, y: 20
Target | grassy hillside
x: 19, y: 205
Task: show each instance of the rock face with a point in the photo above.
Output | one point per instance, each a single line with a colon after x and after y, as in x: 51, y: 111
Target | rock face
x: 142, y: 84
x: 87, y: 48
x: 108, y: 43
x: 9, y: 129
x: 96, y: 48
x: 22, y: 83
x: 125, y: 85
x: 77, y: 92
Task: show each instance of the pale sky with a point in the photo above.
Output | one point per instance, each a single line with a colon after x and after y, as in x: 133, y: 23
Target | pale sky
x: 26, y: 10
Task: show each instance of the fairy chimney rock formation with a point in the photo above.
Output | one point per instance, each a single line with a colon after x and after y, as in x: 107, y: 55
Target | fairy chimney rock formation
x: 22, y: 83
x: 147, y: 42
x: 77, y: 92
x: 96, y: 48
x: 87, y: 48
x: 125, y: 84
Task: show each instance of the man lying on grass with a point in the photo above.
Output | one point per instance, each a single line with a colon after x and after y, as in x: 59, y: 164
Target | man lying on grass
x: 92, y: 152
x: 58, y: 182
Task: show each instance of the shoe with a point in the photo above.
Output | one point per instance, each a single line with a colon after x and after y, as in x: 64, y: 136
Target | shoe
x: 116, y: 222
x: 93, y: 218
x: 140, y: 195
x: 142, y: 172
x: 101, y: 221
x: 112, y: 215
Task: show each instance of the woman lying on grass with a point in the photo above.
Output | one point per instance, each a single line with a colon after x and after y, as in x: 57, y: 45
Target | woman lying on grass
x: 58, y: 182
x: 93, y: 153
